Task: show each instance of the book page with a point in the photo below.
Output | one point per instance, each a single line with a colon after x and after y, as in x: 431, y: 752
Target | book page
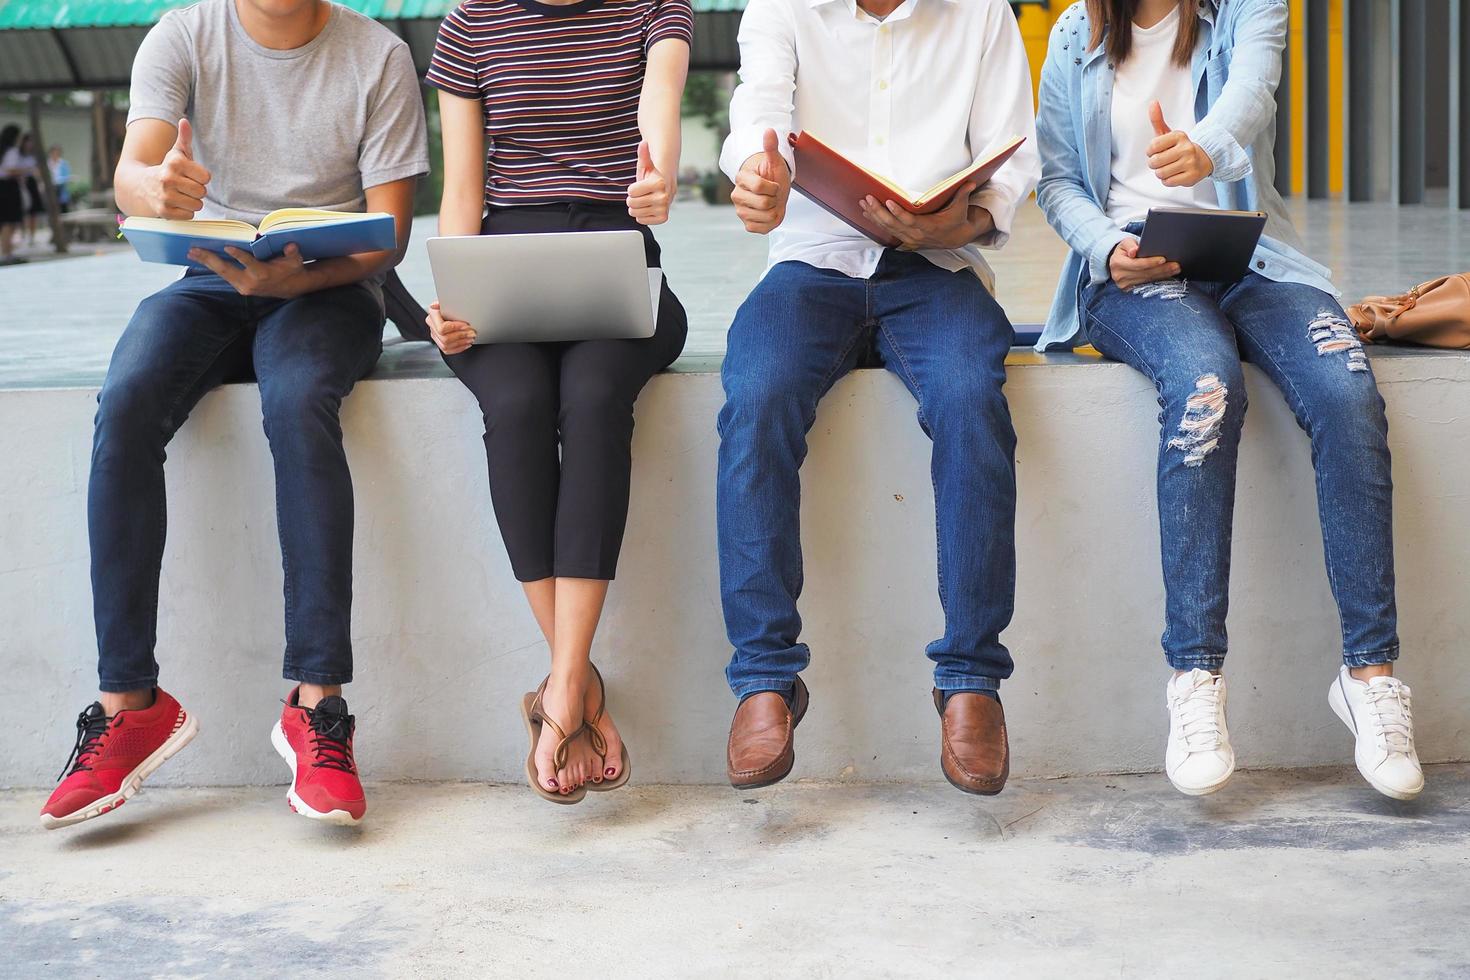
x: 900, y: 192
x: 945, y: 185
x: 302, y: 217
x: 224, y: 229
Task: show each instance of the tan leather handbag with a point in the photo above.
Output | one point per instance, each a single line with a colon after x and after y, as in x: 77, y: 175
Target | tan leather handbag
x: 1436, y: 314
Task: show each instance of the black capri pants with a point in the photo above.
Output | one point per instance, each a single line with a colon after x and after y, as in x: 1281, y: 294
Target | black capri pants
x: 559, y: 417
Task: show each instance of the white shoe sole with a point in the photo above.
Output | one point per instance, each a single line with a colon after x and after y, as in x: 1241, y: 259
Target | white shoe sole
x: 1338, y: 701
x: 339, y: 817
x: 133, y: 781
x: 1204, y: 790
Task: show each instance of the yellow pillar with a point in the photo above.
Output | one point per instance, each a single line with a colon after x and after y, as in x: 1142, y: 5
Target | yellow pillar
x: 1296, y: 45
x: 1336, y: 99
x: 1035, y: 23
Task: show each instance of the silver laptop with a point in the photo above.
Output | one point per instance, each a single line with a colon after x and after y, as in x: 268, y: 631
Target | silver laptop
x: 582, y: 285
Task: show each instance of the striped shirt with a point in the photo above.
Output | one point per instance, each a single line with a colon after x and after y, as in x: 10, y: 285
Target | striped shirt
x: 559, y: 86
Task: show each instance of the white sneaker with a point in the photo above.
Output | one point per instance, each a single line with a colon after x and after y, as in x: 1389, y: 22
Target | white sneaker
x: 1377, y: 712
x: 1199, y: 759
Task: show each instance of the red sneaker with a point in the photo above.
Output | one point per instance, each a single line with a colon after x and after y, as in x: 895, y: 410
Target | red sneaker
x: 317, y: 744
x: 114, y: 755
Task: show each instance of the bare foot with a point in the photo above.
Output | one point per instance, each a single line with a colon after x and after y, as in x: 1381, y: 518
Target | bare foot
x: 612, y: 767
x: 562, y: 702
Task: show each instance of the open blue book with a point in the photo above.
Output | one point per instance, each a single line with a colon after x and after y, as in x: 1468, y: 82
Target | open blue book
x: 319, y: 235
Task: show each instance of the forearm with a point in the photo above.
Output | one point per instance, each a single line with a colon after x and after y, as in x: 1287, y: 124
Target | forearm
x: 127, y: 188
x: 346, y: 270
x: 658, y: 121
x: 1070, y: 207
x: 1247, y: 103
x: 462, y: 203
x: 660, y: 105
x: 765, y: 97
x: 461, y: 210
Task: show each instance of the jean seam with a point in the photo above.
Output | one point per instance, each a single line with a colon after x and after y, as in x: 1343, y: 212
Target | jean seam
x: 1207, y: 662
x: 1147, y: 367
x: 975, y: 683
x: 1148, y: 371
x: 160, y: 515
x: 132, y: 684
x: 1366, y: 658
x: 1311, y: 427
x: 827, y: 381
x: 908, y: 373
x: 294, y: 673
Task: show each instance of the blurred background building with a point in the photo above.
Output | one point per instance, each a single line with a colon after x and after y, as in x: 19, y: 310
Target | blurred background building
x: 1375, y: 96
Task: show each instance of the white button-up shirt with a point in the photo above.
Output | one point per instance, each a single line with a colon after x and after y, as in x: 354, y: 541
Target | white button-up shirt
x: 916, y: 97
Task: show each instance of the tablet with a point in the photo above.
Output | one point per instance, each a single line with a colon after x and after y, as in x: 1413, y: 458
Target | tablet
x: 1209, y: 245
x: 563, y: 286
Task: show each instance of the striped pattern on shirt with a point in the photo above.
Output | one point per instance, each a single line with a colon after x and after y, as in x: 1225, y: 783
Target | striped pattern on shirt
x: 560, y: 88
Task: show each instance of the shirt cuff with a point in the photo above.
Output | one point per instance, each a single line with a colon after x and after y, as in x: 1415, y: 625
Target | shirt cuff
x: 386, y: 175
x: 1097, y: 262
x: 1002, y: 208
x: 1230, y: 161
x: 746, y: 142
x: 452, y: 87
x: 144, y: 111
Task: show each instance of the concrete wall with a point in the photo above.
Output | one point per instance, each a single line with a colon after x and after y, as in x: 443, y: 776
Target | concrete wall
x: 445, y: 645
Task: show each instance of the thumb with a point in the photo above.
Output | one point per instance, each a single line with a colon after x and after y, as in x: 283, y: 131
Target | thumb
x: 1129, y: 246
x: 770, y: 146
x: 1156, y: 116
x: 645, y: 161
x: 185, y: 141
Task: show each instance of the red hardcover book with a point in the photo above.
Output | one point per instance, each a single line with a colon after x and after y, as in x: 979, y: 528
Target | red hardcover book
x: 837, y: 184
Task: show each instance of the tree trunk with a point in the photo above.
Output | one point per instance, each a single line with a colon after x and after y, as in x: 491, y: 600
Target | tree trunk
x: 53, y: 204
x: 100, y: 137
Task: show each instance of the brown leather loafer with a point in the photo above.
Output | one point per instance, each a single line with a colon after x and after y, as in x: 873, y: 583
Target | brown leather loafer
x: 762, y: 748
x: 973, y: 751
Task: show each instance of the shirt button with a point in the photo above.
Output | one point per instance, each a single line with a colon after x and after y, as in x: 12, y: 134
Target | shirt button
x: 1260, y: 265
x: 882, y: 85
x: 880, y: 141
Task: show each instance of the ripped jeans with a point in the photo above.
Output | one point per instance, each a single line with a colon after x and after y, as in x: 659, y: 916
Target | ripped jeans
x: 1190, y: 338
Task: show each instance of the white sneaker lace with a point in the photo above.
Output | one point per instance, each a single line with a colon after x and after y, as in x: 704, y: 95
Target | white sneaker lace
x: 1199, y: 718
x: 1393, y: 721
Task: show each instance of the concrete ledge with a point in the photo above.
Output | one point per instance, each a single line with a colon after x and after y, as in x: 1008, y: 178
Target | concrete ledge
x: 445, y: 644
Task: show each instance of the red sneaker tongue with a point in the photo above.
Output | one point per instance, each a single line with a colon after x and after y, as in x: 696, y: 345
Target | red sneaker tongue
x: 332, y: 704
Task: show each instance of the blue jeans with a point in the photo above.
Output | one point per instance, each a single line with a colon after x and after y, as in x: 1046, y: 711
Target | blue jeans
x: 1190, y: 339
x: 800, y: 330
x: 192, y: 336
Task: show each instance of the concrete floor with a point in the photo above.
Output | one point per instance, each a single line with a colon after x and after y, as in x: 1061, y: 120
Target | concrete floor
x: 1304, y: 873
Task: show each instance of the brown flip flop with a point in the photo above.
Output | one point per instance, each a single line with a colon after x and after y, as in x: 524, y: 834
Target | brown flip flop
x: 599, y: 744
x: 534, y: 717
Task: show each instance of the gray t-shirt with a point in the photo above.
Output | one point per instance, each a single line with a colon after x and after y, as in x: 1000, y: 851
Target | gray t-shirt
x: 308, y: 127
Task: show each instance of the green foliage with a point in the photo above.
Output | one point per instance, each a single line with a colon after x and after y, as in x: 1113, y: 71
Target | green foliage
x: 430, y: 187
x: 707, y: 98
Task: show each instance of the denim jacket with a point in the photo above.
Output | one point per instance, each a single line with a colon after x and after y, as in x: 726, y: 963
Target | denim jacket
x: 1237, y: 63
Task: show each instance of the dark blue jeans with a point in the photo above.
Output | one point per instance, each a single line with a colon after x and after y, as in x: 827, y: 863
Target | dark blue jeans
x: 1190, y: 339
x: 196, y: 334
x: 799, y: 331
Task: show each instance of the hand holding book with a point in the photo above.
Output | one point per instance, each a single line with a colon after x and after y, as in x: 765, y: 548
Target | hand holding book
x: 850, y: 191
x: 955, y: 225
x: 279, y: 278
